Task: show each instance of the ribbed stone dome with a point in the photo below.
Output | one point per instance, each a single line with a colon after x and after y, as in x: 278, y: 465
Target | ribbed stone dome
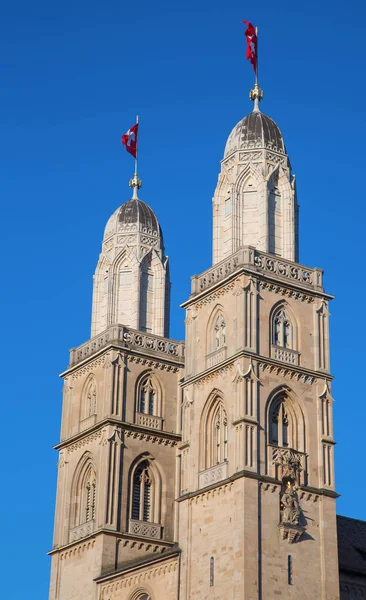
x: 133, y: 215
x: 256, y: 130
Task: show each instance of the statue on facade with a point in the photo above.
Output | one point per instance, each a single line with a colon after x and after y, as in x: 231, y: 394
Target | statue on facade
x: 291, y: 510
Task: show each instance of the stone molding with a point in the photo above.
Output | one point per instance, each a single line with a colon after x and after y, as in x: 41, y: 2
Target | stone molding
x: 289, y: 293
x: 129, y: 430
x: 77, y: 550
x: 126, y: 337
x: 146, y: 574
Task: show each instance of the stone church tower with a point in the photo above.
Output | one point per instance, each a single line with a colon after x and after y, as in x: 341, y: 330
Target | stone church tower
x: 206, y: 473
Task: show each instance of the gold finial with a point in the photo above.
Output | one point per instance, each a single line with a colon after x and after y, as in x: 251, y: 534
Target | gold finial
x: 256, y: 95
x: 135, y: 184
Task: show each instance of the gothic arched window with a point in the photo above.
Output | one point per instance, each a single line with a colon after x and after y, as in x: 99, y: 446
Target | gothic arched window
x: 142, y: 493
x: 90, y: 496
x: 284, y: 426
x: 148, y: 396
x: 219, y: 435
x: 84, y: 494
x: 283, y: 334
x: 214, y: 434
x: 89, y: 402
x: 220, y: 332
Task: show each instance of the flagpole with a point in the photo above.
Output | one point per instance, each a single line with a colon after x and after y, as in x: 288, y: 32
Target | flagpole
x: 256, y: 72
x: 137, y: 144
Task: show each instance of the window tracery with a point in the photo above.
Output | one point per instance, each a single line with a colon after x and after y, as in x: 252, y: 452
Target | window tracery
x: 215, y: 435
x: 220, y: 332
x: 148, y: 396
x: 142, y: 493
x: 282, y: 329
x: 84, y: 494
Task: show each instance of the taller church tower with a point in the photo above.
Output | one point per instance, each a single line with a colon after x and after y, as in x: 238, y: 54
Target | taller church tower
x: 209, y: 475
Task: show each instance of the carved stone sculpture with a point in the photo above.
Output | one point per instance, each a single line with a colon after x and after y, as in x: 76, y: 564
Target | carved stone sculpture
x: 290, y: 527
x: 291, y: 510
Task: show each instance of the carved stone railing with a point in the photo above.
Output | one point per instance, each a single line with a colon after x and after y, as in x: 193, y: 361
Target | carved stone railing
x: 125, y: 337
x: 145, y: 529
x: 285, y: 355
x: 213, y: 475
x: 149, y: 421
x: 262, y: 262
x: 76, y: 533
x: 88, y: 422
x: 284, y: 462
x: 216, y: 357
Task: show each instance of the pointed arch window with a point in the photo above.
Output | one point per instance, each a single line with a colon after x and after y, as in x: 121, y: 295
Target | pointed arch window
x: 220, y: 332
x: 280, y: 426
x: 148, y: 401
x: 219, y: 435
x: 214, y: 435
x: 89, y: 403
x: 283, y: 333
x: 284, y: 427
x: 84, y: 497
x: 90, y: 496
x: 142, y: 493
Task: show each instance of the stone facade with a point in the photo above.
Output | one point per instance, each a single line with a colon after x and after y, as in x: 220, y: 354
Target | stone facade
x: 205, y: 469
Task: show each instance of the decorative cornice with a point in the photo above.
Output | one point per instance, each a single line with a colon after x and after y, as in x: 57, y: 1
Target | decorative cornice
x: 287, y: 292
x: 146, y: 574
x: 266, y: 483
x: 264, y: 363
x: 130, y: 429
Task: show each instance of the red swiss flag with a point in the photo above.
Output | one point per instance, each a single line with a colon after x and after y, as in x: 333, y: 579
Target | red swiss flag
x: 129, y: 140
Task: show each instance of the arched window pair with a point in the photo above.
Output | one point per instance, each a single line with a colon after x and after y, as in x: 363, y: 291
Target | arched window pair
x: 286, y: 426
x: 282, y: 329
x: 146, y: 490
x: 149, y: 396
x: 141, y: 493
x: 214, y: 434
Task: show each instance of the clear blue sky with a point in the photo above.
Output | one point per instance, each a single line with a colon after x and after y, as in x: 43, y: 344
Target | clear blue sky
x: 73, y: 76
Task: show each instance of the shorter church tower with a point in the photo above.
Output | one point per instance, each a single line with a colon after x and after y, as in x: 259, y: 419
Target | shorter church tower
x: 131, y: 281
x: 119, y: 432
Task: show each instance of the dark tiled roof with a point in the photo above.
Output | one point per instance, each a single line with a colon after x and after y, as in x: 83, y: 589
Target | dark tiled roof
x: 256, y: 130
x: 351, y: 544
x: 136, y: 211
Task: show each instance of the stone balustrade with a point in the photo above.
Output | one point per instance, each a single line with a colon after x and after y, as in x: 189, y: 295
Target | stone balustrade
x: 125, y: 337
x: 262, y: 262
x: 292, y: 357
x: 213, y: 474
x: 145, y: 529
x: 88, y: 422
x: 149, y: 421
x: 216, y: 357
x: 76, y: 533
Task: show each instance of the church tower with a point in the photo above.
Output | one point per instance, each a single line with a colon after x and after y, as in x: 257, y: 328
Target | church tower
x: 206, y: 470
x: 257, y: 500
x: 116, y: 487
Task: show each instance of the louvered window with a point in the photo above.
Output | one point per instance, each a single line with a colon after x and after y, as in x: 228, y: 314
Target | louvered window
x: 141, y: 493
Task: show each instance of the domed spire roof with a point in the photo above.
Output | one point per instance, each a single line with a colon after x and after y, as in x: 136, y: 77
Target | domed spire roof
x: 256, y: 130
x: 133, y: 215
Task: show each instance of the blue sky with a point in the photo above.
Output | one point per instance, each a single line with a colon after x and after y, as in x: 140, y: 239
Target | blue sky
x: 73, y: 76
